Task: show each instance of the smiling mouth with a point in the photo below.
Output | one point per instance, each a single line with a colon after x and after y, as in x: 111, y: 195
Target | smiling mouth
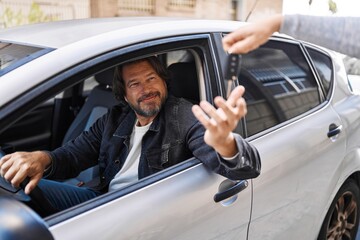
x: 148, y: 97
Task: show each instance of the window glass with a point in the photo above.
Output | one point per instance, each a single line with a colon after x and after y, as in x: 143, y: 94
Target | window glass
x: 323, y: 66
x: 178, y: 56
x: 14, y: 55
x: 279, y: 85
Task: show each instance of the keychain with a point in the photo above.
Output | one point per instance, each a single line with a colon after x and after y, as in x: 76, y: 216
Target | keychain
x: 233, y: 69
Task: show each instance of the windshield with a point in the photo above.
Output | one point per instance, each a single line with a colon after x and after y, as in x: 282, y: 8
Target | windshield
x: 14, y: 55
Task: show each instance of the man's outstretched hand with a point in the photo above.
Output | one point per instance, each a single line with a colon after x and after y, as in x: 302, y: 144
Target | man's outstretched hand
x: 220, y: 122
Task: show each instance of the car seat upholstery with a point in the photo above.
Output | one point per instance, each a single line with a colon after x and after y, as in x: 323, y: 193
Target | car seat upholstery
x: 99, y: 102
x: 184, y: 81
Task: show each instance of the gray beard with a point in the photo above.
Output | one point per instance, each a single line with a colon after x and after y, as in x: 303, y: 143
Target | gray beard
x: 144, y: 112
x: 148, y: 113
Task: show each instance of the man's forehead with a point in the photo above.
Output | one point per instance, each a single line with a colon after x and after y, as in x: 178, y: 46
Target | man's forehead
x: 141, y: 68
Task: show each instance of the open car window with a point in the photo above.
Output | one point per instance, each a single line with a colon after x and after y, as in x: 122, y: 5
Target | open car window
x: 55, y: 119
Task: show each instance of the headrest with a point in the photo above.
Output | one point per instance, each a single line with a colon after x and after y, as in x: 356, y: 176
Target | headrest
x: 184, y: 81
x: 105, y: 77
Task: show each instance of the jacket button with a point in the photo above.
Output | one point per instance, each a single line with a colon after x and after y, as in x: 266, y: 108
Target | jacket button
x: 117, y: 161
x: 103, y: 177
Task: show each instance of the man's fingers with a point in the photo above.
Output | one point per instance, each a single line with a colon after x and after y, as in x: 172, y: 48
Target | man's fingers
x: 201, y: 116
x: 204, y: 118
x: 235, y: 94
x: 9, y: 176
x: 241, y: 106
x: 18, y: 177
x: 5, y: 167
x: 32, y: 184
x: 216, y: 115
x: 230, y: 112
x: 4, y: 159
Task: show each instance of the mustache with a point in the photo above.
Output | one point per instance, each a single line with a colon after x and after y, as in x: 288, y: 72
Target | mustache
x: 148, y: 95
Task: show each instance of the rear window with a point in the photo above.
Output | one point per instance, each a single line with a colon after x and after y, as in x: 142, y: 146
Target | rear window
x: 279, y: 85
x: 14, y: 55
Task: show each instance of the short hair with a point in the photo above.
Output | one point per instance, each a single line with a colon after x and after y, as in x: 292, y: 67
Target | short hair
x: 118, y: 81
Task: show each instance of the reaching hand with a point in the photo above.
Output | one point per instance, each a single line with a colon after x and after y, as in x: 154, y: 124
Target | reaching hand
x: 17, y: 166
x: 220, y: 122
x: 251, y: 36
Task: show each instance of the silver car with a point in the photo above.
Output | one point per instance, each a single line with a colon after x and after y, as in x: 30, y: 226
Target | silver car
x: 303, y: 117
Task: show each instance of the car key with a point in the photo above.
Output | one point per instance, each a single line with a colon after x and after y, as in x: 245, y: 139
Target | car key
x: 233, y: 66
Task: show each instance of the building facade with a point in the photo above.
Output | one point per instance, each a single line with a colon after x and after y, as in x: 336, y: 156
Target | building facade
x: 19, y: 12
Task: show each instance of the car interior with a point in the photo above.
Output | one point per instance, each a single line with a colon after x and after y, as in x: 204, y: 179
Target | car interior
x: 74, y: 110
x: 273, y: 81
x: 184, y: 83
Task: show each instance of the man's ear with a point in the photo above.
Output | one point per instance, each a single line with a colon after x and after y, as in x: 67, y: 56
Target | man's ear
x: 125, y: 99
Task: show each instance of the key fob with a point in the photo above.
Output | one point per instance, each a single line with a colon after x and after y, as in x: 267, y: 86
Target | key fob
x: 233, y: 65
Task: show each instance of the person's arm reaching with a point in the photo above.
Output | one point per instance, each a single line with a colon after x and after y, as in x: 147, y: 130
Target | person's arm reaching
x: 251, y: 36
x: 336, y: 33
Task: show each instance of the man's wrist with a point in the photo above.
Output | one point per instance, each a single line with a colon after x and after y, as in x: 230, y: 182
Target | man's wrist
x: 228, y: 148
x: 48, y: 161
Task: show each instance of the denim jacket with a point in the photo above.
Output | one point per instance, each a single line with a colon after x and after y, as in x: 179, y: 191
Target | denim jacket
x: 174, y: 136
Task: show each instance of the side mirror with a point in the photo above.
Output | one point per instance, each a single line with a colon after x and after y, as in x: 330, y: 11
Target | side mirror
x: 18, y: 221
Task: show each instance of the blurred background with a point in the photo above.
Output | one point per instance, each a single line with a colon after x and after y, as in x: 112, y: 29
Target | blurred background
x: 20, y: 12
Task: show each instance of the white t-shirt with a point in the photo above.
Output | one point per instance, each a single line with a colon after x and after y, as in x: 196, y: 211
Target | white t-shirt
x: 129, y: 172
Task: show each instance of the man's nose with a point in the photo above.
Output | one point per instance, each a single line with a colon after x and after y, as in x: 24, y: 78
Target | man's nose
x: 146, y: 86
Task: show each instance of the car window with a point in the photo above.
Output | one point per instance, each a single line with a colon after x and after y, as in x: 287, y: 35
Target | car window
x: 178, y: 56
x: 323, y: 65
x: 14, y: 55
x: 77, y: 86
x: 279, y: 85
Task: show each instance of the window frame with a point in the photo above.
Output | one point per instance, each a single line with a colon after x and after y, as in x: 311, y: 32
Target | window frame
x: 139, y: 50
x: 327, y: 94
x: 322, y: 99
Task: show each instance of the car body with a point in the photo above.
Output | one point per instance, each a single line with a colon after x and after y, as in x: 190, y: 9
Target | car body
x: 303, y: 118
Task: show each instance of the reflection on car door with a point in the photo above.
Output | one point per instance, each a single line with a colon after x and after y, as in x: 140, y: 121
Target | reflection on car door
x: 289, y: 120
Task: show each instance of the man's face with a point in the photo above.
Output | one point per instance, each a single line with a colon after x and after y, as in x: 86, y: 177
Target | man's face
x: 145, y: 91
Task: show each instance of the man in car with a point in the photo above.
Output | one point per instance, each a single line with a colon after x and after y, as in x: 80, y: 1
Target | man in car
x: 151, y: 131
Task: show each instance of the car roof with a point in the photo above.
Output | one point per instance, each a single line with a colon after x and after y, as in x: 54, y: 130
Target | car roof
x: 60, y: 33
x: 73, y: 41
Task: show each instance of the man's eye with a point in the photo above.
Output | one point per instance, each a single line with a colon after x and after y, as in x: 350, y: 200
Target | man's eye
x: 133, y: 85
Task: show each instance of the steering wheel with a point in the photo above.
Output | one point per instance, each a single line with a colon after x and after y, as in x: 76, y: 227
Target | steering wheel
x: 36, y: 199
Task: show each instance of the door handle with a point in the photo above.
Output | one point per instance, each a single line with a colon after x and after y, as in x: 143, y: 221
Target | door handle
x: 231, y: 191
x: 334, y: 130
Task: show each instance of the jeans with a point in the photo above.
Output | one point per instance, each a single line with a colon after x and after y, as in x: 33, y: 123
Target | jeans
x: 63, y: 195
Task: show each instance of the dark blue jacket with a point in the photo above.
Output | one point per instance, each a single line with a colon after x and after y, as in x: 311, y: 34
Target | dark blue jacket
x: 174, y: 136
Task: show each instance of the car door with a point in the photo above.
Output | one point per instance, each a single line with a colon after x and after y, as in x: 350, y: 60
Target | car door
x: 290, y: 121
x: 177, y: 203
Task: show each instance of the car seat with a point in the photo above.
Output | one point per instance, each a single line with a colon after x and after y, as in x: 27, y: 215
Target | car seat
x: 99, y: 101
